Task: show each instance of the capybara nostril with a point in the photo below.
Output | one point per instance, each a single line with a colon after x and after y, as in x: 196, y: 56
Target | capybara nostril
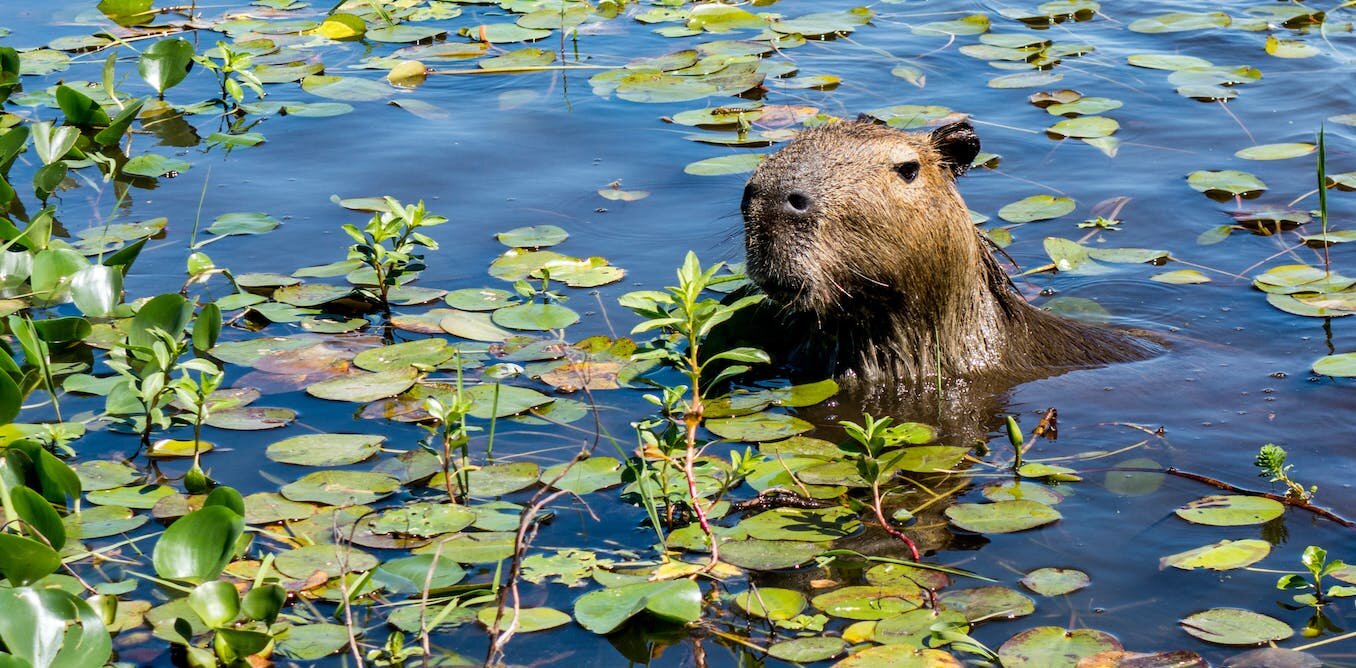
x: 798, y: 201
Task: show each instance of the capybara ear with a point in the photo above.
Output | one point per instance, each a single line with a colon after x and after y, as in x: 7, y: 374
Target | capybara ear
x: 958, y: 145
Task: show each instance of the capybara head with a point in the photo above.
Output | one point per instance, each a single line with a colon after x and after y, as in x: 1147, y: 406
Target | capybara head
x: 854, y: 214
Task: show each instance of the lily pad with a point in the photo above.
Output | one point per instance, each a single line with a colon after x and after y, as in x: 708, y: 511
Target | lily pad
x: 535, y: 317
x: 802, y: 524
x: 536, y: 236
x: 771, y: 602
x: 866, y: 602
x: 419, y: 354
x: 1231, y: 510
x: 1035, y: 208
x: 1181, y: 21
x: 1055, y: 647
x: 341, y: 488
x: 980, y: 603
x: 807, y: 650
x: 1222, y: 556
x: 1234, y: 626
x: 325, y: 449
x: 332, y: 560
x: 363, y: 387
x: 769, y: 555
x: 1055, y: 581
x: 1342, y: 365
x: 1275, y: 151
x: 1001, y: 516
x: 523, y: 620
x: 758, y: 427
x: 1228, y: 181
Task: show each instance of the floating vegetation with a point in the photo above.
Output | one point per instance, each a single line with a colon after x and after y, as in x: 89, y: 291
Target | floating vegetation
x: 433, y: 432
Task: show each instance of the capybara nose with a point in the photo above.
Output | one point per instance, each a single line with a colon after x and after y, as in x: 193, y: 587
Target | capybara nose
x: 797, y: 202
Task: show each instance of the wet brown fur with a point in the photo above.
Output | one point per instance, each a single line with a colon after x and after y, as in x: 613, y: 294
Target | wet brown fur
x: 885, y: 277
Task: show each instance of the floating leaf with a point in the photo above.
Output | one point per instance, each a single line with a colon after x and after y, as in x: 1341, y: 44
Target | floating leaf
x: 605, y: 610
x: 535, y: 317
x: 1035, y: 208
x: 1084, y: 127
x: 1181, y: 21
x: 164, y: 64
x: 1290, y: 48
x: 1167, y: 61
x: 535, y: 236
x: 973, y: 24
x: 1054, y: 647
x: 349, y: 89
x: 1275, y: 151
x: 1181, y: 277
x: 1227, y: 181
x: 325, y: 449
x: 341, y: 488
x: 870, y: 601
x: 1055, y: 581
x: 807, y: 650
x: 1341, y: 365
x: 1222, y: 556
x: 1233, y: 626
x: 153, y: 166
x: 739, y: 163
x: 758, y: 427
x: 1231, y: 510
x: 242, y: 223
x: 364, y: 387
x: 980, y: 603
x: 1001, y: 516
x: 332, y: 560
x: 523, y: 620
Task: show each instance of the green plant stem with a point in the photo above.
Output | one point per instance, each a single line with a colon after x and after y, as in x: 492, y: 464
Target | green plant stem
x: 494, y: 420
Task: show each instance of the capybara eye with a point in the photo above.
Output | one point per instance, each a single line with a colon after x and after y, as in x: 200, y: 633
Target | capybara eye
x: 907, y: 170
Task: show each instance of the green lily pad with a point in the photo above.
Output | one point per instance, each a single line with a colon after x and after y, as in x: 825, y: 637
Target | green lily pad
x: 143, y: 497
x: 1022, y: 489
x: 1036, y: 207
x: 478, y: 299
x: 1026, y: 79
x: 768, y: 555
x: 332, y: 560
x: 325, y: 449
x: 758, y: 427
x: 1181, y: 21
x: 914, y: 628
x: 866, y: 602
x: 1222, y: 556
x: 584, y: 477
x: 251, y: 418
x: 523, y: 620
x: 308, y: 642
x: 347, y: 89
x: 1275, y: 151
x: 340, y: 488
x: 980, y: 603
x: 891, y: 574
x: 423, y: 519
x: 153, y: 165
x: 1084, y: 127
x: 738, y: 163
x: 807, y: 650
x: 494, y: 480
x: 1166, y: 61
x: 1290, y: 48
x: 481, y: 547
x: 420, y: 354
x: 1341, y: 365
x: 1001, y: 516
x: 270, y: 507
x: 102, y: 521
x: 1233, y: 626
x: 240, y: 223
x: 535, y: 236
x: 412, y: 572
x: 468, y: 325
x: 311, y: 294
x: 802, y: 524
x: 1055, y: 581
x: 973, y: 24
x: 404, y: 33
x: 535, y: 317
x: 1181, y: 277
x: 1226, y: 181
x: 605, y: 610
x: 1231, y: 510
x: 771, y: 602
x: 1055, y: 647
x: 503, y: 33
x: 512, y: 400
x: 101, y: 474
x: 362, y: 387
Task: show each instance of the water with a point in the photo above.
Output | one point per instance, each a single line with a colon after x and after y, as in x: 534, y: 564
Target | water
x: 530, y: 149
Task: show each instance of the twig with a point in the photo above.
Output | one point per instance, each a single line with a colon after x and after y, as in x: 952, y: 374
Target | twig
x: 1220, y: 484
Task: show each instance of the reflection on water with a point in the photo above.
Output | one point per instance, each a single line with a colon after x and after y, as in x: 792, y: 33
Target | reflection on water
x: 534, y: 149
